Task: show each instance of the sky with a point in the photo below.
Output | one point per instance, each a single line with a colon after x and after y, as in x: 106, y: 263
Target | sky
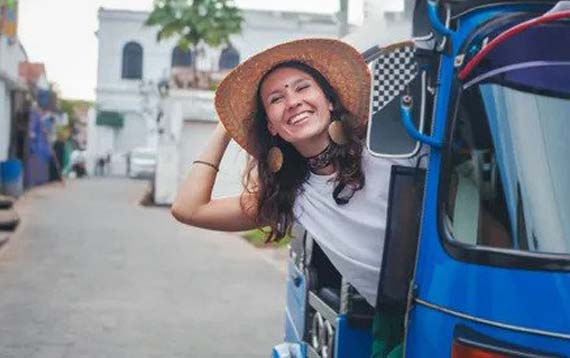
x: 61, y: 34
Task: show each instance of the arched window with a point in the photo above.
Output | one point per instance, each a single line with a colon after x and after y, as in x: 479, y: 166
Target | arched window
x: 181, y: 57
x: 132, y: 61
x: 229, y: 58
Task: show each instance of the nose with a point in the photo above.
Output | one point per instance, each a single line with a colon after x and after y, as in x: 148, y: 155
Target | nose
x: 293, y: 101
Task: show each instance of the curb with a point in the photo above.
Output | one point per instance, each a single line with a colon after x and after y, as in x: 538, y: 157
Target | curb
x: 6, y: 202
x: 9, y: 219
x: 4, y: 238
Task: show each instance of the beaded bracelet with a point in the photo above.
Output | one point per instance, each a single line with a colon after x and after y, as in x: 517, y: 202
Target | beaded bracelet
x: 207, y: 163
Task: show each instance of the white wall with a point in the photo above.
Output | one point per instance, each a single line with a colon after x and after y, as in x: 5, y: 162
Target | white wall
x: 264, y: 29
x: 261, y: 29
x: 195, y: 135
x: 116, y: 28
x: 10, y: 57
x: 92, y: 137
x: 4, y: 121
x: 132, y: 135
x: 375, y: 9
x: 188, y: 122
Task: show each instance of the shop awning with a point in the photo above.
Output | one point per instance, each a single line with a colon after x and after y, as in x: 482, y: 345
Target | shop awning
x: 110, y: 119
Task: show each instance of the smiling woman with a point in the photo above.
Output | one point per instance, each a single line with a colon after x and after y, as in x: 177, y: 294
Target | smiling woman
x: 282, y: 121
x: 300, y: 110
x: 297, y: 109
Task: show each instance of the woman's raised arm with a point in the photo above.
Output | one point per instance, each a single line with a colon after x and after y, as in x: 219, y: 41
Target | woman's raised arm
x: 194, y: 204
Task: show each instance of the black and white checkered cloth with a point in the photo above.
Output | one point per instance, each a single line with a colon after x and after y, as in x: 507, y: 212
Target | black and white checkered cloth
x: 392, y: 72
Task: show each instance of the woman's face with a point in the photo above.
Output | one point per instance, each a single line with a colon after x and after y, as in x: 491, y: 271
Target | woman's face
x: 297, y: 109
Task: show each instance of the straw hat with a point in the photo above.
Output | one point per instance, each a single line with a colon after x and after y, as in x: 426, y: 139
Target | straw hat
x: 341, y: 64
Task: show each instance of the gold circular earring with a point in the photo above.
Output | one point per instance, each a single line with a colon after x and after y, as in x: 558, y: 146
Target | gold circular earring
x: 337, y: 132
x: 274, y: 158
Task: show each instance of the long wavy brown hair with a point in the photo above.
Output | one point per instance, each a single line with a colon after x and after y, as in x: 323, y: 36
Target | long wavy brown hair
x: 276, y: 192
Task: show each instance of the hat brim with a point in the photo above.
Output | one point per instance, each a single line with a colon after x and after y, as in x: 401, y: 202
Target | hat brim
x: 341, y: 64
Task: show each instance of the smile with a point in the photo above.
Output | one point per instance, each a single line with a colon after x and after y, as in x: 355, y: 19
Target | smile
x: 299, y: 117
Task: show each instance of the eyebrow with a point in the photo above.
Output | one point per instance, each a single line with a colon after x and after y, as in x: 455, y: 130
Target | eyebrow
x: 292, y: 84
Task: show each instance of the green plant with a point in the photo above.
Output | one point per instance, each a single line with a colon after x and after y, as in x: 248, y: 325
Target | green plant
x: 257, y: 238
x: 195, y: 21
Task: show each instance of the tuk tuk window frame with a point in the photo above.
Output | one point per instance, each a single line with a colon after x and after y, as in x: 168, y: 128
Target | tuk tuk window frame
x: 484, y: 255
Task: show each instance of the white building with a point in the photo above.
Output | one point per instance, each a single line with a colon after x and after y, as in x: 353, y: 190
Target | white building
x: 132, y: 63
x: 11, y: 54
x: 385, y: 22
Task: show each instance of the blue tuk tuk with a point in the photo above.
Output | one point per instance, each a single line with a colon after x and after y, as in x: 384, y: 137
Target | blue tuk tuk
x: 477, y: 247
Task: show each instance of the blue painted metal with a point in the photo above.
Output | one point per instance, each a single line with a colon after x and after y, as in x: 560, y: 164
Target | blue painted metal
x: 412, y: 131
x: 289, y: 350
x: 528, y: 299
x: 351, y: 342
x: 10, y: 170
x: 295, y: 304
x: 431, y: 334
x: 436, y: 22
x: 295, y: 310
x: 11, y: 178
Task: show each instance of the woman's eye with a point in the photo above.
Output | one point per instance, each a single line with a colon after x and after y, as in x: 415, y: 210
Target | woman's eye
x: 303, y: 87
x: 275, y: 99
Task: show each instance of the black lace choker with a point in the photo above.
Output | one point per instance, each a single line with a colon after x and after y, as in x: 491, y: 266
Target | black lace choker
x: 321, y: 160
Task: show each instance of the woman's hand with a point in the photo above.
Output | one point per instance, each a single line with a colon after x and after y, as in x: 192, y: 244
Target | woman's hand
x: 194, y: 204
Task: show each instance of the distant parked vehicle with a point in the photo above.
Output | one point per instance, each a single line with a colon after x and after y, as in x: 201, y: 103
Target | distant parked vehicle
x: 141, y: 162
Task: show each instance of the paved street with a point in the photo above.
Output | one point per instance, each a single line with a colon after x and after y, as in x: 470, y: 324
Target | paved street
x: 90, y: 273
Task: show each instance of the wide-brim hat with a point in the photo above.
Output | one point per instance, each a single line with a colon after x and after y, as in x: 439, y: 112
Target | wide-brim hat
x: 341, y: 64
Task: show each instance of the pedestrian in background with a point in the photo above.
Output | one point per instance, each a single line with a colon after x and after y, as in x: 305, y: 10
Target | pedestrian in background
x: 100, y: 166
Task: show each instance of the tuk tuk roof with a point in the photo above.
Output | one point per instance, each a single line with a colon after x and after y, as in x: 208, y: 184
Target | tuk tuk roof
x: 461, y: 7
x: 422, y: 26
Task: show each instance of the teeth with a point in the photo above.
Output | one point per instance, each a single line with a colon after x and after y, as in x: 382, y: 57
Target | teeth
x: 297, y: 118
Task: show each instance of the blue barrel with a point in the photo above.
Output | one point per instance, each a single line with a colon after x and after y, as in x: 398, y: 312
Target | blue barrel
x: 11, y: 177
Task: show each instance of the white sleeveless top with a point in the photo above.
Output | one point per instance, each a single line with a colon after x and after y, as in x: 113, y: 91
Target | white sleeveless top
x: 351, y: 235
